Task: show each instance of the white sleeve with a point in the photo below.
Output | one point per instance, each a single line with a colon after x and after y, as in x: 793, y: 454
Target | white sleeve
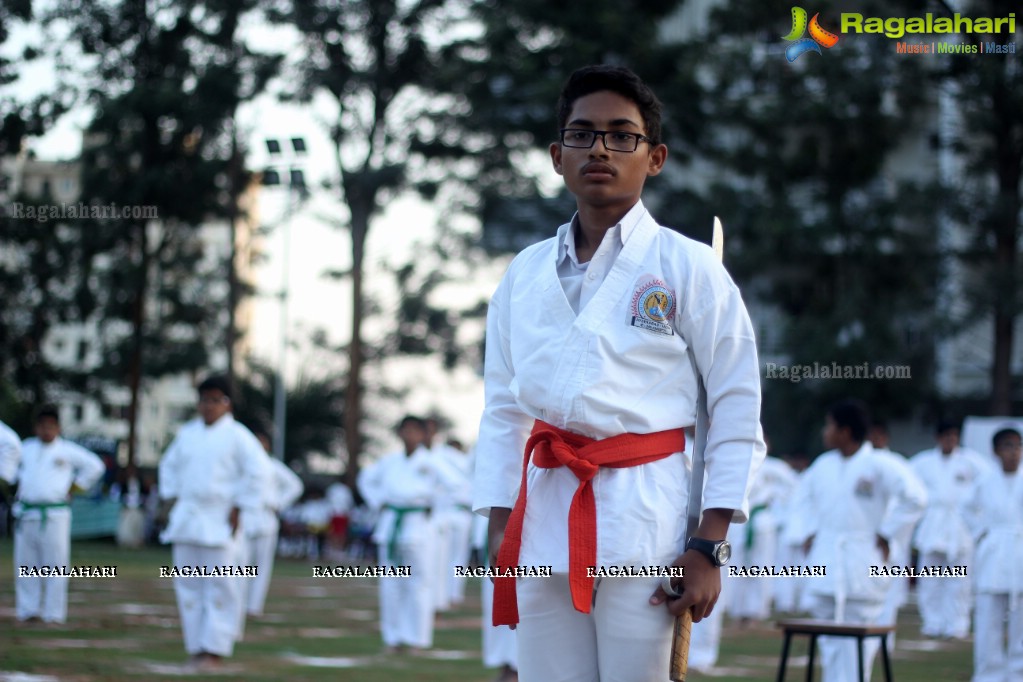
x: 289, y: 485
x: 802, y: 519
x: 168, y: 483
x: 720, y: 335
x: 10, y: 453
x: 87, y: 464
x: 907, y: 499
x: 253, y: 467
x: 973, y: 510
x: 370, y: 483
x: 504, y: 427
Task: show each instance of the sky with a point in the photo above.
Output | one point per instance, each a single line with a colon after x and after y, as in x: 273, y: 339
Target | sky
x: 313, y: 247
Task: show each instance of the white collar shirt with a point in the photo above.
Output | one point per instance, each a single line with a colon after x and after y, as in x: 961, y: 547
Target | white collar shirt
x: 617, y: 363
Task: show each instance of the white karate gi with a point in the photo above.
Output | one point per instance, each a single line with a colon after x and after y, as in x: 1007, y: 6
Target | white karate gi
x: 846, y: 502
x: 282, y: 488
x: 995, y: 513
x: 209, y: 470
x: 10, y: 453
x: 900, y: 555
x: 406, y: 488
x: 42, y: 532
x: 791, y: 595
x: 584, y: 348
x: 755, y: 542
x: 943, y: 538
x: 453, y: 517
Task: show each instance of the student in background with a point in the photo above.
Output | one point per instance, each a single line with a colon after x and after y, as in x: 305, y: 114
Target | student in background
x: 995, y: 515
x: 49, y: 468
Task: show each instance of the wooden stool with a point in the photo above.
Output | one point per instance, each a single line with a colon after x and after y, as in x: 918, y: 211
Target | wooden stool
x: 814, y: 628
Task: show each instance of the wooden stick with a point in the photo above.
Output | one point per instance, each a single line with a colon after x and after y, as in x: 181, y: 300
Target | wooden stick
x: 680, y: 646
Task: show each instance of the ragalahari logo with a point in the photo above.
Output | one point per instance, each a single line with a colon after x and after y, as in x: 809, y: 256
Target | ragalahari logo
x: 818, y: 35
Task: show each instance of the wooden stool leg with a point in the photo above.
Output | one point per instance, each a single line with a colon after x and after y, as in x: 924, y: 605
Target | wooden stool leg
x: 859, y: 657
x: 809, y: 663
x: 885, y: 659
x: 784, y: 657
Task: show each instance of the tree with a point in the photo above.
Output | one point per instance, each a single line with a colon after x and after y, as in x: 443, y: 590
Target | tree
x: 822, y: 226
x: 312, y: 411
x: 988, y: 198
x: 165, y: 81
x: 21, y: 119
x: 834, y: 250
x: 377, y: 62
x: 39, y: 275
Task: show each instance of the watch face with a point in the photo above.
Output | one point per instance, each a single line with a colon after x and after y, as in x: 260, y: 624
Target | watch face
x: 723, y: 553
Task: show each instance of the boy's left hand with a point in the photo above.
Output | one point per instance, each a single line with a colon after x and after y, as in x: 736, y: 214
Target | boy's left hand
x: 700, y: 587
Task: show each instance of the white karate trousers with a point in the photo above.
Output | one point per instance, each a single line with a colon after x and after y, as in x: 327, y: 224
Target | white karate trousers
x: 994, y: 659
x: 460, y: 530
x: 705, y: 643
x: 499, y: 643
x: 839, y: 655
x: 37, y: 545
x: 407, y: 604
x: 258, y: 551
x: 944, y: 603
x: 208, y: 606
x: 622, y: 639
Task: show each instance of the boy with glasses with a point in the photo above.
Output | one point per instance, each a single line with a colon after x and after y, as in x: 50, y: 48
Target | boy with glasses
x: 595, y: 338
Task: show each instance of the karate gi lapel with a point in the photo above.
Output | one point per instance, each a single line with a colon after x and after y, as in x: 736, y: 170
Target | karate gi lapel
x: 624, y: 271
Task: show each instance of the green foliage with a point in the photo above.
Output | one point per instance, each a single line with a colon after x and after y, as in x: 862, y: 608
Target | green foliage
x: 312, y: 414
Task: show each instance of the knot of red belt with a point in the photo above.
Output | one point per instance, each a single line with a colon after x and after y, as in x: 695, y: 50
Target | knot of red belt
x: 551, y: 448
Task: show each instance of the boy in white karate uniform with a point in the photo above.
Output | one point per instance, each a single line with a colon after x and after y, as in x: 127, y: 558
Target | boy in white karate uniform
x: 212, y: 470
x: 995, y: 514
x: 406, y: 486
x: 949, y: 473
x: 453, y: 519
x: 282, y: 488
x: 50, y: 466
x: 855, y: 502
x: 595, y: 338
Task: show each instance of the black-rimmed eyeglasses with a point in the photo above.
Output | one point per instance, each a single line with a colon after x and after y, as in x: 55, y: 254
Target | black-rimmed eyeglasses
x: 614, y: 140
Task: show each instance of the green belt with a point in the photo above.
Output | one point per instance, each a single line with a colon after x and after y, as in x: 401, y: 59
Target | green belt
x: 749, y: 524
x: 42, y: 507
x: 464, y: 507
x: 400, y: 512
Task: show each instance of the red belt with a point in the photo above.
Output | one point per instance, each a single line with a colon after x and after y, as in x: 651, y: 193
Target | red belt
x: 551, y: 448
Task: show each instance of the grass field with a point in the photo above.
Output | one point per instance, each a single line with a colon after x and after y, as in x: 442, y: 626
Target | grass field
x: 325, y: 629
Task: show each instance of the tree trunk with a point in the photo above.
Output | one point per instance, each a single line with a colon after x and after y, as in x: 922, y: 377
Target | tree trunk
x: 353, y: 391
x: 137, y: 339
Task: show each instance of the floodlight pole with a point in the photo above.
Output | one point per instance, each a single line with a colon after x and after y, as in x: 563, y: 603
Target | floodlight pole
x: 296, y: 189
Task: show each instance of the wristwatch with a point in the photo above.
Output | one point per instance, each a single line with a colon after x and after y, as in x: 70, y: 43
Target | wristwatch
x: 718, y: 552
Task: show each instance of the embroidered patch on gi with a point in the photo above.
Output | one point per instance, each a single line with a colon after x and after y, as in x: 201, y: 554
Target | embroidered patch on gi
x: 653, y: 305
x: 964, y: 477
x: 864, y: 488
